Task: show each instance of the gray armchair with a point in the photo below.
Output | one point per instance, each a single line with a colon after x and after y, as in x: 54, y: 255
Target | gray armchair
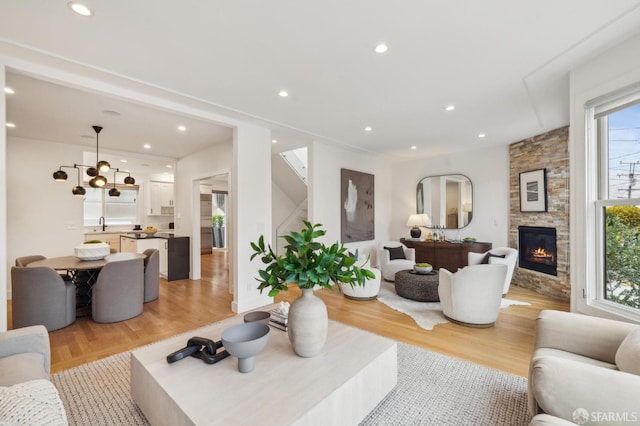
x: 151, y: 275
x: 25, y: 260
x: 118, y: 293
x: 41, y: 296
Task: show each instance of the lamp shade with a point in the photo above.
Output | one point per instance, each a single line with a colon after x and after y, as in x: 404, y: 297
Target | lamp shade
x: 60, y: 175
x: 416, y: 220
x: 129, y: 180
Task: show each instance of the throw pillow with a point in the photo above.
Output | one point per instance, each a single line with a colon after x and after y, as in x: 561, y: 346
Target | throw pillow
x: 485, y: 260
x: 35, y: 402
x: 628, y: 354
x: 395, y: 252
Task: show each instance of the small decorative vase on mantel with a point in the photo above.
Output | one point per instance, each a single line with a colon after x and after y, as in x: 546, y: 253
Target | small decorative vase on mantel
x: 308, y: 323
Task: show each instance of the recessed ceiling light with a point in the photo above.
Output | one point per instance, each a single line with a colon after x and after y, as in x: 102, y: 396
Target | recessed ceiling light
x: 123, y: 161
x: 414, y: 147
x: 381, y: 48
x: 368, y: 129
x: 147, y: 146
x: 450, y: 108
x: 283, y: 93
x: 9, y: 91
x: 110, y: 112
x: 481, y: 135
x: 182, y: 128
x: 169, y: 166
x: 80, y: 9
x: 11, y: 125
x: 274, y: 141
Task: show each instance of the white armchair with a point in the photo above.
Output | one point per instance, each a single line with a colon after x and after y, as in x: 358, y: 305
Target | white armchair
x: 510, y: 258
x: 390, y: 261
x: 369, y: 290
x: 472, y: 295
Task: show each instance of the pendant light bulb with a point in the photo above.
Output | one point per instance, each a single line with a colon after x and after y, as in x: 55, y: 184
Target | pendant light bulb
x: 78, y: 191
x: 103, y: 166
x: 60, y: 175
x: 100, y: 181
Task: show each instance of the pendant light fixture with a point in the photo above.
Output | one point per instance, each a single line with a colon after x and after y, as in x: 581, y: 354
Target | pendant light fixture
x: 97, y: 179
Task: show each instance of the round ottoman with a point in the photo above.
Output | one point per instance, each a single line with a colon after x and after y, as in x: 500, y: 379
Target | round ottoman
x: 419, y: 287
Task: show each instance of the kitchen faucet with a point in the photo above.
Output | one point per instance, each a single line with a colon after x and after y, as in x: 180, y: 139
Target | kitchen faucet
x: 103, y: 222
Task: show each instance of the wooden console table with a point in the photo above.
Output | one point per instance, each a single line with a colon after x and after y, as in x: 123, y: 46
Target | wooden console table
x: 450, y: 256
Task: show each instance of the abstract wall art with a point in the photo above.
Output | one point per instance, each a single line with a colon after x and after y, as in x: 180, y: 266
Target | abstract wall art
x: 357, y: 206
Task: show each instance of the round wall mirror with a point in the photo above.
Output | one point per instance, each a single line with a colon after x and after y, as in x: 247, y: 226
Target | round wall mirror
x: 446, y: 199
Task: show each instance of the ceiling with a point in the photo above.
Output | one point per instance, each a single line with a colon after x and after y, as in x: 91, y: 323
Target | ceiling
x: 504, y: 65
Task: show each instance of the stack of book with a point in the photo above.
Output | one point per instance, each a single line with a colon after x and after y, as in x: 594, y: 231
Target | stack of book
x: 278, y: 320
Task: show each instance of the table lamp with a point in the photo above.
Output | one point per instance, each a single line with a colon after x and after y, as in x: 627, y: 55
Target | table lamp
x: 417, y: 220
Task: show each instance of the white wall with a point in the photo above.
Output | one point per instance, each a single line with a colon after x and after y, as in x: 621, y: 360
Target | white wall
x: 43, y: 217
x: 3, y: 205
x: 617, y: 68
x: 282, y: 206
x: 325, y: 162
x: 216, y: 159
x: 488, y: 170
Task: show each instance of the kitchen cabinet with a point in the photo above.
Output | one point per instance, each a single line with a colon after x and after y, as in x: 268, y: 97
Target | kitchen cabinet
x: 137, y: 245
x: 450, y: 256
x: 160, y: 199
x: 111, y: 238
x: 174, y: 258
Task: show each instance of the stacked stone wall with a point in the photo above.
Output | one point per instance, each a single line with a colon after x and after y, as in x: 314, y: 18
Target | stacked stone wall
x: 546, y: 151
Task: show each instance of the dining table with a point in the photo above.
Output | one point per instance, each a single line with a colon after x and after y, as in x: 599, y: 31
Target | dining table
x: 83, y: 273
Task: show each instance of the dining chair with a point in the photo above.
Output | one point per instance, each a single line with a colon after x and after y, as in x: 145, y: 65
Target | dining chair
x: 151, y: 274
x: 118, y: 293
x: 41, y: 296
x: 25, y: 260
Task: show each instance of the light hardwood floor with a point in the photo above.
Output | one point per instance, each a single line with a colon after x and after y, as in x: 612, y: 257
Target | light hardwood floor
x: 187, y: 304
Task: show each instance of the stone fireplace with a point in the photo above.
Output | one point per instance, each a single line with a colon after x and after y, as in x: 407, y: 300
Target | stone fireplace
x: 540, y: 270
x: 537, y: 249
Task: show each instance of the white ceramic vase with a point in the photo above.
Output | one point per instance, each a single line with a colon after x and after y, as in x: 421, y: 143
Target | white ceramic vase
x: 308, y: 323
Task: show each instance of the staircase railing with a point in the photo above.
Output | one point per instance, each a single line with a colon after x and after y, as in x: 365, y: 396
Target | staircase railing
x: 295, y: 218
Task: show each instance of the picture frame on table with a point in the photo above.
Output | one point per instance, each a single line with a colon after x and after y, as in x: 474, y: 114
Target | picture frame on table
x: 533, y: 191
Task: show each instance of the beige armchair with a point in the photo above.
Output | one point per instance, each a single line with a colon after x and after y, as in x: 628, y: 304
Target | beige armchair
x: 499, y: 255
x: 472, y: 295
x: 583, y: 362
x: 39, y: 295
x: 393, y: 257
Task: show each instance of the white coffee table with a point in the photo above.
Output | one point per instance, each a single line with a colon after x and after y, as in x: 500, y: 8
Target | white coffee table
x: 354, y: 372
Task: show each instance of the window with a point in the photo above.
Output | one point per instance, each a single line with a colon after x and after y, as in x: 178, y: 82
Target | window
x: 615, y: 126
x: 120, y: 210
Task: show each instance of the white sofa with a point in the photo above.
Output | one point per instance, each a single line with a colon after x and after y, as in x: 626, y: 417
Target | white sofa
x: 26, y: 394
x: 510, y: 259
x: 390, y: 266
x: 584, y: 362
x: 472, y: 295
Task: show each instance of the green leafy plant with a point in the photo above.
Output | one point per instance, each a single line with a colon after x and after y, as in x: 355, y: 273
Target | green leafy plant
x: 307, y: 262
x: 217, y: 220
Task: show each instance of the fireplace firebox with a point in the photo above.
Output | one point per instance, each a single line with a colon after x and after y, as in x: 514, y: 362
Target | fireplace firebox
x: 538, y: 251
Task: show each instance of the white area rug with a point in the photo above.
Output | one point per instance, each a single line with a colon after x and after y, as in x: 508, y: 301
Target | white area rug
x: 432, y: 389
x: 426, y: 314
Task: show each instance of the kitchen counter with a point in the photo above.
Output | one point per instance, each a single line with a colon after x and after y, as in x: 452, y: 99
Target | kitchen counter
x: 142, y: 236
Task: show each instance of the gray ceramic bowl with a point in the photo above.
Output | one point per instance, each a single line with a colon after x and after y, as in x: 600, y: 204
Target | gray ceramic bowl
x: 258, y: 316
x: 245, y: 341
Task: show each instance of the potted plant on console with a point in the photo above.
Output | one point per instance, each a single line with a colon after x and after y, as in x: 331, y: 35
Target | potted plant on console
x: 307, y: 263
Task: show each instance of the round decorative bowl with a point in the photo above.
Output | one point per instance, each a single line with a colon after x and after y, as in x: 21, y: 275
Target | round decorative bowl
x: 92, y: 251
x: 422, y: 268
x: 149, y: 233
x: 258, y: 316
x: 245, y: 341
